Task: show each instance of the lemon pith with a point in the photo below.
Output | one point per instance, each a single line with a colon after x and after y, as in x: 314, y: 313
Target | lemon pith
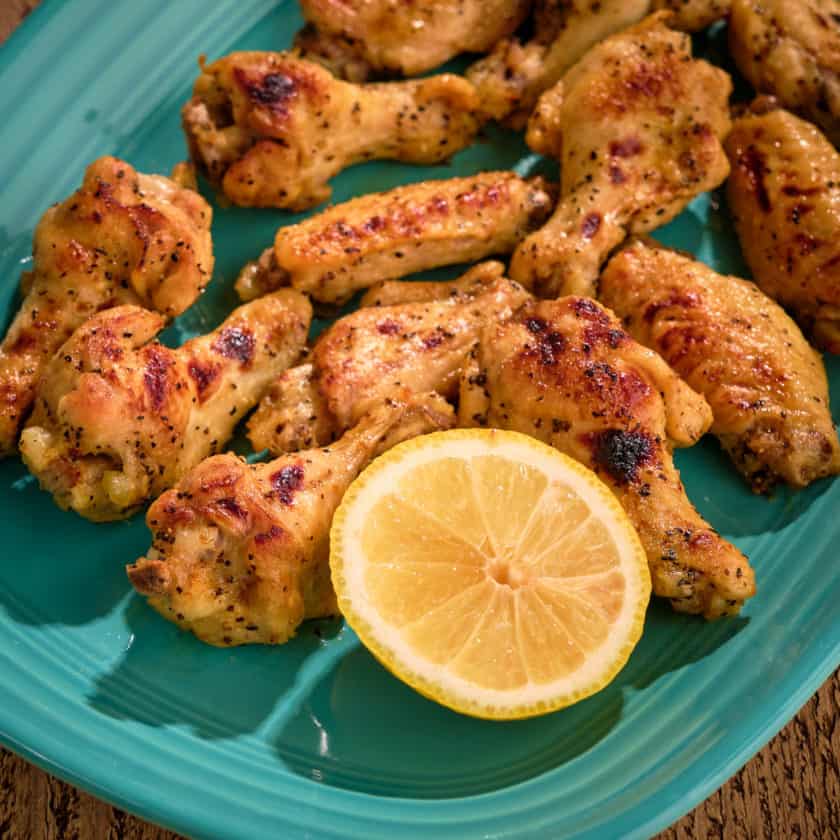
x: 490, y: 572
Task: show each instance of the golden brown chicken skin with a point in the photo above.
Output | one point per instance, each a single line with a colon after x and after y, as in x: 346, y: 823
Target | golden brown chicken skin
x: 270, y: 129
x: 119, y: 418
x: 511, y: 79
x: 122, y: 237
x: 784, y: 195
x: 409, y: 37
x: 383, y: 236
x: 766, y: 385
x: 565, y: 372
x: 415, y: 343
x: 241, y: 553
x: 791, y: 49
x: 637, y: 126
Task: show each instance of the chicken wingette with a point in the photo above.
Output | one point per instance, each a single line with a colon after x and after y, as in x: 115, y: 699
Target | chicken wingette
x: 384, y: 236
x: 407, y: 37
x: 119, y: 418
x: 270, y: 129
x: 791, y: 49
x: 784, y: 195
x: 637, y: 126
x: 412, y: 338
x: 511, y: 79
x: 565, y: 372
x: 765, y: 384
x: 122, y: 237
x: 240, y: 552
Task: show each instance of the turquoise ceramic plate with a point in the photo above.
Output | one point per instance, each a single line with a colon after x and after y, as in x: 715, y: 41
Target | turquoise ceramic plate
x: 314, y: 738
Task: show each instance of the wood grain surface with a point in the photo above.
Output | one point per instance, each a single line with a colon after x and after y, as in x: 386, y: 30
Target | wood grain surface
x: 791, y: 789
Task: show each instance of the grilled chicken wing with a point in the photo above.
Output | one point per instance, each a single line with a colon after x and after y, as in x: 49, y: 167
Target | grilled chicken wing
x: 791, y: 48
x: 512, y: 77
x: 387, y: 235
x: 637, y: 125
x: 565, y: 372
x: 766, y: 385
x: 409, y: 37
x: 122, y: 237
x: 784, y: 194
x: 118, y: 419
x: 241, y: 552
x: 382, y: 351
x: 270, y: 129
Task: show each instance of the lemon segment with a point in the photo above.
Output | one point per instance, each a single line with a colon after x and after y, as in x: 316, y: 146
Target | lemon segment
x: 490, y: 572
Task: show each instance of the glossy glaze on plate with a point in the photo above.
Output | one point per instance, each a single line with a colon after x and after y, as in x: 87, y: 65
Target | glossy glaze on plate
x: 314, y: 738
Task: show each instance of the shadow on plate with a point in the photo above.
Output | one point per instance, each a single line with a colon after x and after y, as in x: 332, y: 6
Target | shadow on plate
x: 360, y: 728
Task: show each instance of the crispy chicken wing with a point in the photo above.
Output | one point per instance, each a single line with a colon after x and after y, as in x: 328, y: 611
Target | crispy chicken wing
x: 767, y: 387
x: 383, y: 236
x: 119, y: 418
x: 409, y: 37
x: 784, y: 194
x: 565, y: 372
x: 122, y: 237
x: 241, y: 553
x: 382, y: 351
x: 791, y: 48
x: 270, y: 129
x: 637, y: 125
x: 512, y: 77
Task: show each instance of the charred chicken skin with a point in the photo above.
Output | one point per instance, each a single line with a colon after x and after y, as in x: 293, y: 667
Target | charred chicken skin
x: 637, y: 126
x: 271, y: 129
x: 240, y: 552
x: 410, y: 338
x: 407, y: 37
x: 119, y: 418
x: 387, y: 235
x: 784, y: 195
x: 791, y: 49
x: 122, y: 237
x: 766, y: 385
x: 565, y: 372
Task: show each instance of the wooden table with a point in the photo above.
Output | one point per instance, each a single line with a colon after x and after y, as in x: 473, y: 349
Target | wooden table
x: 790, y: 789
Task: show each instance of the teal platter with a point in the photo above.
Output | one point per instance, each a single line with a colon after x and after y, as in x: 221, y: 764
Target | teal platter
x: 314, y: 738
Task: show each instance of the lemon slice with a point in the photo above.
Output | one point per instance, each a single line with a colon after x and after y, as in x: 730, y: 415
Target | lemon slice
x: 490, y: 572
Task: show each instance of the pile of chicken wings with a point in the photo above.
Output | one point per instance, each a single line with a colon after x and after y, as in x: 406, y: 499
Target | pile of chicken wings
x: 591, y: 337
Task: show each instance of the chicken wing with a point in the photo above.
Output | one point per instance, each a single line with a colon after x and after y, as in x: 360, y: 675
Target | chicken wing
x: 382, y: 351
x: 791, y: 48
x: 565, y: 372
x: 410, y: 37
x: 766, y: 385
x: 270, y: 129
x: 511, y: 79
x: 122, y: 237
x: 118, y: 419
x: 241, y: 553
x: 784, y: 194
x: 637, y: 125
x: 383, y: 236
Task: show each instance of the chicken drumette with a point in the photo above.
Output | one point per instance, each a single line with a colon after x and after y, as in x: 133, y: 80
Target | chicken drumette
x: 784, y: 194
x: 270, y: 129
x: 512, y: 77
x: 118, y: 420
x: 383, y: 236
x: 766, y: 385
x: 791, y: 48
x: 403, y: 37
x: 637, y: 125
x: 241, y: 553
x: 565, y: 372
x: 122, y: 237
x: 412, y: 338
